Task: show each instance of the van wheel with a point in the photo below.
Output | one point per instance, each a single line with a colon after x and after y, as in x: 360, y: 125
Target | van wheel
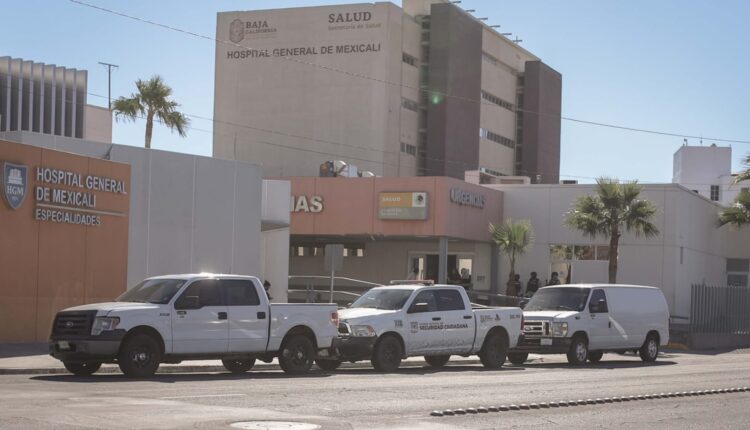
x: 140, y: 356
x: 595, y: 356
x: 518, y: 357
x: 82, y: 369
x: 387, y: 354
x: 578, y: 351
x: 238, y: 366
x: 437, y: 361
x: 650, y: 349
x: 297, y: 355
x: 493, y: 352
x: 328, y: 365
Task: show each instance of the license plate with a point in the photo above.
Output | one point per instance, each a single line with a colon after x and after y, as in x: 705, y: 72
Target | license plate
x: 63, y: 345
x: 546, y: 342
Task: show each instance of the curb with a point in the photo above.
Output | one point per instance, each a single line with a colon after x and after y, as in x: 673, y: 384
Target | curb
x: 172, y: 369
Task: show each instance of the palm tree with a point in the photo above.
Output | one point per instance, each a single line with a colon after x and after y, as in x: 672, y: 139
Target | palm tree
x: 745, y: 174
x: 514, y: 240
x: 152, y: 100
x: 614, y: 209
x: 738, y: 214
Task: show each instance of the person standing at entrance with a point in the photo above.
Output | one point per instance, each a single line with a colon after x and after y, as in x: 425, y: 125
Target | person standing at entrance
x: 554, y: 280
x: 533, y: 285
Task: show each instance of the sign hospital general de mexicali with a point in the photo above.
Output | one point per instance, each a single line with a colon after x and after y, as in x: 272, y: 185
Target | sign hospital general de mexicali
x: 61, y: 196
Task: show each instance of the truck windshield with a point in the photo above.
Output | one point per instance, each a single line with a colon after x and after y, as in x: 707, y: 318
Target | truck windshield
x: 158, y: 291
x: 383, y: 299
x: 559, y: 299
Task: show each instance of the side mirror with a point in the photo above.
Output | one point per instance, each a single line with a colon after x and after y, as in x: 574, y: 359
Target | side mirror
x: 348, y: 305
x: 419, y: 307
x: 189, y: 302
x: 522, y: 304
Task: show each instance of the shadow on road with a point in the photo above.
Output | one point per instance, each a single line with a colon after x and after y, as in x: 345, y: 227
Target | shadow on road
x: 171, y: 378
x: 426, y: 370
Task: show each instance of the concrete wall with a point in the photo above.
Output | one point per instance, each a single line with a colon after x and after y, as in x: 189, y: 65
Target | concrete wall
x: 187, y: 213
x: 690, y: 249
x: 291, y: 111
x: 47, y: 266
x: 542, y: 107
x: 97, y: 124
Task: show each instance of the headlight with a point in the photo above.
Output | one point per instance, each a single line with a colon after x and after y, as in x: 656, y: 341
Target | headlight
x: 558, y: 329
x: 104, y: 324
x: 362, y: 330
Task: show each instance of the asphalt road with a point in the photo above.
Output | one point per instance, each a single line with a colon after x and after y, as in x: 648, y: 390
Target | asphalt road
x: 363, y: 399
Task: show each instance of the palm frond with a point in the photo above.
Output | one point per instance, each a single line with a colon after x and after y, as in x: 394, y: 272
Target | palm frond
x: 745, y: 174
x: 738, y: 214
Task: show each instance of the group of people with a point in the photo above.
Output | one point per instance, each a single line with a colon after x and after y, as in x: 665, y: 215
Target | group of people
x: 515, y: 286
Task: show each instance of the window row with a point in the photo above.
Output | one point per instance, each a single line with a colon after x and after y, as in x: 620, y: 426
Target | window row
x: 319, y: 251
x: 483, y: 132
x: 407, y: 148
x: 409, y: 59
x: 497, y: 100
x: 409, y: 104
x: 559, y: 253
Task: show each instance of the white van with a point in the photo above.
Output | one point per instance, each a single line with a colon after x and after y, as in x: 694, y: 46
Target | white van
x: 584, y: 321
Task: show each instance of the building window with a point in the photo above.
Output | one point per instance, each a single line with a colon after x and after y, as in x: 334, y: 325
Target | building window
x: 484, y: 133
x: 715, y: 193
x: 737, y: 272
x: 497, y: 100
x: 489, y: 58
x: 354, y: 251
x: 409, y: 59
x: 408, y: 149
x: 490, y: 171
x: 409, y: 104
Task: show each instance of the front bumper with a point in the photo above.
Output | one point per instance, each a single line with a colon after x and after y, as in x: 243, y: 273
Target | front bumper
x: 353, y: 348
x: 552, y: 345
x: 79, y: 349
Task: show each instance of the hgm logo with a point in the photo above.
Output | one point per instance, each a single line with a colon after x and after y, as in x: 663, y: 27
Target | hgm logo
x: 14, y: 184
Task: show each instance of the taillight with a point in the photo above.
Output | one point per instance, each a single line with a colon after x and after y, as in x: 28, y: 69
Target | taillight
x: 335, y: 319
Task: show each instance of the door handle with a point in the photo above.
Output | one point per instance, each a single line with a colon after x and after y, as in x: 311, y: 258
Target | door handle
x: 467, y: 317
x: 610, y: 324
x: 222, y: 315
x: 436, y: 319
x: 261, y: 315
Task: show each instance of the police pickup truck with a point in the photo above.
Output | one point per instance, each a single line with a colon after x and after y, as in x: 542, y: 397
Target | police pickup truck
x: 387, y: 324
x: 168, y: 319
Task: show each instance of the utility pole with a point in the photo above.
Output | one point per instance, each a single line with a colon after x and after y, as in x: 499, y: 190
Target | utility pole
x: 109, y: 82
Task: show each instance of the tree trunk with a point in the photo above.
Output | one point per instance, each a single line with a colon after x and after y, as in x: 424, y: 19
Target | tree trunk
x: 149, y: 127
x: 509, y: 290
x: 614, y: 245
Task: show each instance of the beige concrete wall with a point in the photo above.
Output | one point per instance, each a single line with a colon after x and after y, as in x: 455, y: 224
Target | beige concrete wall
x: 291, y: 111
x: 48, y: 266
x: 97, y: 124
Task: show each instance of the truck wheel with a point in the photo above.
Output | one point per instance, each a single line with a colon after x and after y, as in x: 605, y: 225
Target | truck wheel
x: 518, y: 358
x: 578, y: 352
x: 437, y: 361
x: 139, y: 356
x: 650, y: 349
x: 329, y: 365
x: 494, y: 351
x: 297, y: 355
x: 387, y: 354
x: 238, y: 366
x: 595, y: 356
x: 82, y: 369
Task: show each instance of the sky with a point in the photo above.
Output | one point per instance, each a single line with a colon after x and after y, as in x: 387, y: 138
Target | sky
x: 677, y: 66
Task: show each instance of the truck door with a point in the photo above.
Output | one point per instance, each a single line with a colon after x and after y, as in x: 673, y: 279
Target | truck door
x: 199, y: 322
x: 458, y: 321
x: 425, y: 324
x: 600, y: 326
x: 247, y: 317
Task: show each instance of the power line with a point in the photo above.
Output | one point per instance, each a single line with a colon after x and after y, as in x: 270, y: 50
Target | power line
x: 461, y: 164
x: 383, y: 81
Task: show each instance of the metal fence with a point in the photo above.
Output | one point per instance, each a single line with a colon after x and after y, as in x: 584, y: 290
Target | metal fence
x: 719, y: 310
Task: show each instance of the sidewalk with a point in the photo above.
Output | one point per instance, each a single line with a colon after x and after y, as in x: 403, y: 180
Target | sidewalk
x: 32, y: 359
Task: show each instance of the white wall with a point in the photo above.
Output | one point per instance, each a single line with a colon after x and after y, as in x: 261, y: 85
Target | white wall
x: 687, y: 223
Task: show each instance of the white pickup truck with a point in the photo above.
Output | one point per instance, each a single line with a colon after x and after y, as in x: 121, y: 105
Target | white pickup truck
x: 390, y: 323
x: 182, y: 317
